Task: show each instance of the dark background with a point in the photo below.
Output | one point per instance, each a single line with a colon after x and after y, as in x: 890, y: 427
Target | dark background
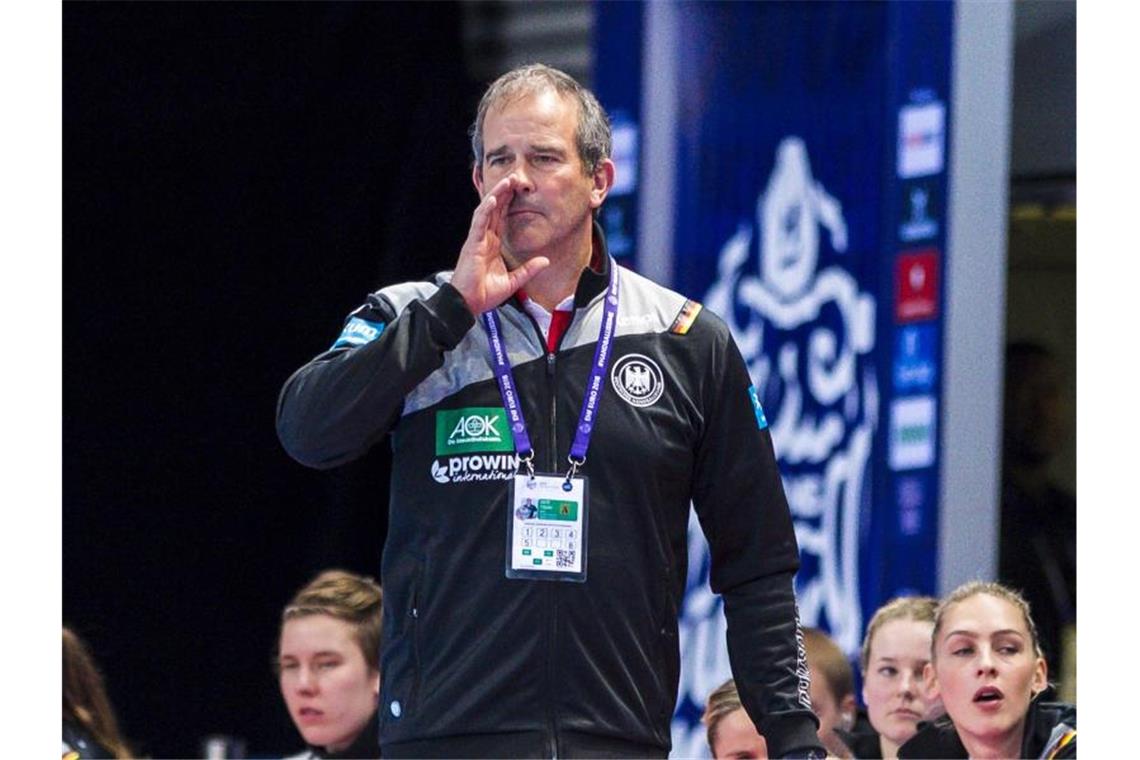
x: 236, y: 178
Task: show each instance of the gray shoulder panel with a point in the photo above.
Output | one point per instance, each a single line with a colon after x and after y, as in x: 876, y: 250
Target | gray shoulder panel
x: 643, y: 307
x: 402, y: 294
x: 469, y: 362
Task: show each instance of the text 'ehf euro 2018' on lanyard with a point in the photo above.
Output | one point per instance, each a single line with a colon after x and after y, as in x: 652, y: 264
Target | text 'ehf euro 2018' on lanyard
x: 593, y: 396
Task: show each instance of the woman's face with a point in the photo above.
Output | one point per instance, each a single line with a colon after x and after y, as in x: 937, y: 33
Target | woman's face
x: 986, y: 670
x: 330, y: 690
x: 737, y: 738
x: 893, y: 686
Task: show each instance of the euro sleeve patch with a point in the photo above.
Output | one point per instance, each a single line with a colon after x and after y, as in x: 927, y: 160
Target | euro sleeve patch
x: 761, y: 420
x: 358, y: 331
x: 685, y: 318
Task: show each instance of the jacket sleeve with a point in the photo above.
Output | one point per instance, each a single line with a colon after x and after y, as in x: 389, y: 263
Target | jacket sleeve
x: 739, y: 499
x: 337, y: 406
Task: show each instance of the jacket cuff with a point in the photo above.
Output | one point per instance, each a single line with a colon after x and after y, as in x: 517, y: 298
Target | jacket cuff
x: 793, y: 736
x: 452, y: 319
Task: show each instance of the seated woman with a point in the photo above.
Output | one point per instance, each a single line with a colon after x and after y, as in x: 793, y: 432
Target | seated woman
x: 89, y: 726
x: 987, y: 666
x: 895, y: 652
x: 731, y: 732
x: 328, y: 661
x: 832, y: 689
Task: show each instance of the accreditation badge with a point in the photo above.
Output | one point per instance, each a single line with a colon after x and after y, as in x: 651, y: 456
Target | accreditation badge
x: 546, y: 528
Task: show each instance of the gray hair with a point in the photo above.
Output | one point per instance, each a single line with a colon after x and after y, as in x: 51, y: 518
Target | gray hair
x: 593, y: 136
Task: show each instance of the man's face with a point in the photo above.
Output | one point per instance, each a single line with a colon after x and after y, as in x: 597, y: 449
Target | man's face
x: 551, y: 211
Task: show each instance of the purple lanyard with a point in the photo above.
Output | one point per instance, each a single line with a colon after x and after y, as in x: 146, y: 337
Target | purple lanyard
x: 593, y: 396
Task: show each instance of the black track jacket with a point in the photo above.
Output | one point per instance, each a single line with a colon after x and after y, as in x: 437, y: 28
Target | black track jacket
x: 476, y: 664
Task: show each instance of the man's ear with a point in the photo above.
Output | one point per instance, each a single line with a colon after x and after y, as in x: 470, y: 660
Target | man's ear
x: 603, y: 182
x: 477, y: 178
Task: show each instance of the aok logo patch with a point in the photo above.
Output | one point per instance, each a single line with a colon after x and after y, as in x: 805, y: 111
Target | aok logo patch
x: 474, y: 428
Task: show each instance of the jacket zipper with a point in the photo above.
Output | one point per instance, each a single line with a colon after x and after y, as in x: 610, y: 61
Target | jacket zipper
x: 551, y: 608
x: 552, y: 381
x: 552, y: 715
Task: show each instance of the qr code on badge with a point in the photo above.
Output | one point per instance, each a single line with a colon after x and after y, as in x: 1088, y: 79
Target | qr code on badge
x: 564, y: 558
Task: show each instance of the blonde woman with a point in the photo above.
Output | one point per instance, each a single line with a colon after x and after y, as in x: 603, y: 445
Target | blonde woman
x: 896, y: 650
x: 731, y: 733
x: 986, y: 665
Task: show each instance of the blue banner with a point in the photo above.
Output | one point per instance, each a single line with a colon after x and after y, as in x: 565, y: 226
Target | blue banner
x: 809, y: 186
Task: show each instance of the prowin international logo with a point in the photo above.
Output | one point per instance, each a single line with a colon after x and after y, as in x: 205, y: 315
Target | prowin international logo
x: 476, y: 467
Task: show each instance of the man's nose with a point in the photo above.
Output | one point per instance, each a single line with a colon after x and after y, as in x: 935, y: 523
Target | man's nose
x: 522, y: 176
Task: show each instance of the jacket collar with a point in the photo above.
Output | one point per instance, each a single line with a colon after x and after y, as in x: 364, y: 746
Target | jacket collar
x: 1041, y: 723
x: 863, y: 745
x: 940, y: 739
x: 596, y: 277
x: 366, y: 744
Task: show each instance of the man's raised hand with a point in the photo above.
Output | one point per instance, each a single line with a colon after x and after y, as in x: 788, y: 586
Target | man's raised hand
x: 481, y: 275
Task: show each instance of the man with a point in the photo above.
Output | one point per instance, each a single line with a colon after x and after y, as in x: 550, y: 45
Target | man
x: 1038, y: 546
x: 555, y: 635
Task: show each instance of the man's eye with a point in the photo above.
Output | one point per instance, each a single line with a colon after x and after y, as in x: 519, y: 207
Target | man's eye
x: 962, y: 651
x: 288, y: 666
x: 327, y: 664
x: 888, y: 671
